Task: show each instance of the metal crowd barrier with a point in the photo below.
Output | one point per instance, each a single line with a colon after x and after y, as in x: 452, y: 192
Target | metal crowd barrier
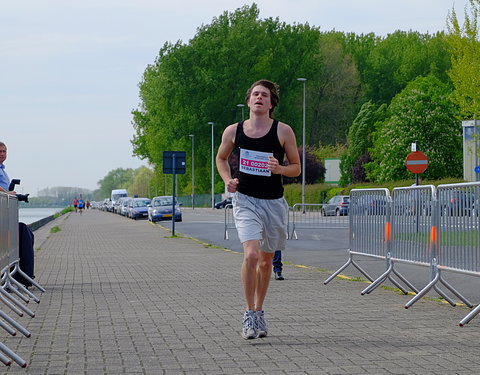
x: 11, y: 289
x: 438, y: 228
x: 229, y: 220
x: 369, y: 228
x: 313, y: 216
x: 456, y: 237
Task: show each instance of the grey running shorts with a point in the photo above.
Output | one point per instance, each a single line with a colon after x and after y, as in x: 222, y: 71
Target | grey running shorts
x: 261, y: 219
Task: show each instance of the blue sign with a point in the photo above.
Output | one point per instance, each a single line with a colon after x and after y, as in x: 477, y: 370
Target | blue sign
x: 477, y: 169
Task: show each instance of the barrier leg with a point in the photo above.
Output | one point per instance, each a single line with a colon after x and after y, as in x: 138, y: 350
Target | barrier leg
x: 405, y: 281
x: 423, y: 291
x: 17, y: 303
x: 11, y: 305
x: 378, y: 281
x: 10, y: 288
x: 33, y: 282
x: 21, y: 287
x: 472, y: 314
x: 7, y: 328
x: 6, y: 361
x: 442, y: 294
x: 15, y: 324
x: 20, y: 361
x: 455, y: 292
x: 397, y: 284
x: 386, y: 275
x: 353, y: 263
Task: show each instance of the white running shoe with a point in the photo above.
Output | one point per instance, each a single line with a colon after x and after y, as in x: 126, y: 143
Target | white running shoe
x: 249, y: 325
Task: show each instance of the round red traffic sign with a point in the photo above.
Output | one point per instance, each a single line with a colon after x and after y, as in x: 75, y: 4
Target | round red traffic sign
x: 416, y: 162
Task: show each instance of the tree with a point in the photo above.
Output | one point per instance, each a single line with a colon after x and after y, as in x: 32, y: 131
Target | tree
x: 333, y: 91
x: 359, y: 140
x: 115, y: 179
x: 314, y: 169
x: 386, y: 65
x: 422, y: 112
x: 465, y: 72
x: 140, y: 183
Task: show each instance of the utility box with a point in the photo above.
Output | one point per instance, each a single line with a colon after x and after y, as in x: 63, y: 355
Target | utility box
x: 471, y: 160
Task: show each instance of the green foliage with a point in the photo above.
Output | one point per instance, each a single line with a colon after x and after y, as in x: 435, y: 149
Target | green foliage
x: 315, y: 193
x: 422, y: 112
x: 322, y: 152
x: 140, y: 183
x: 67, y: 210
x: 55, y: 229
x: 204, y: 80
x: 360, y: 139
x: 191, y: 84
x: 115, y: 179
x: 389, y: 64
x: 465, y: 73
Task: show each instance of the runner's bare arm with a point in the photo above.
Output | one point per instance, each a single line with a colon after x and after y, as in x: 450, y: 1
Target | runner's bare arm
x: 289, y: 143
x: 224, y: 151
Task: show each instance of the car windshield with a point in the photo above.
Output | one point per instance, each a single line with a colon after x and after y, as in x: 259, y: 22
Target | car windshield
x: 346, y: 199
x: 142, y: 203
x: 167, y: 201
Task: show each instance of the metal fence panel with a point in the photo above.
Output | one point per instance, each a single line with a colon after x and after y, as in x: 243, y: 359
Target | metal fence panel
x: 3, y: 230
x: 459, y: 224
x: 412, y: 222
x: 13, y: 246
x: 369, y: 221
x: 313, y: 216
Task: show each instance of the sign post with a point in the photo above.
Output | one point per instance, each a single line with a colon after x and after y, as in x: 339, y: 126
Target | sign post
x: 174, y: 163
x: 416, y: 162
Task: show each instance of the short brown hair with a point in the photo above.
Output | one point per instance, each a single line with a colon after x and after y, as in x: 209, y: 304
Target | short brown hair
x: 274, y: 92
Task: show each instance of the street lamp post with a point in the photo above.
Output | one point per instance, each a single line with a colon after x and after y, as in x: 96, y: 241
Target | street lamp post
x: 213, y: 182
x: 242, y: 106
x: 193, y: 169
x: 303, y: 144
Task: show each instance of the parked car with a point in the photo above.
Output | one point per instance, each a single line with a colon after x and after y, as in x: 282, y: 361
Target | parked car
x: 459, y: 203
x: 161, y: 209
x: 371, y: 205
x: 118, y: 205
x: 337, y: 205
x: 138, y: 208
x: 124, y: 206
x: 223, y: 203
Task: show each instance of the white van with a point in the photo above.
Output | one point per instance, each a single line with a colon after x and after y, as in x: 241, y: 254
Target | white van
x: 116, y: 195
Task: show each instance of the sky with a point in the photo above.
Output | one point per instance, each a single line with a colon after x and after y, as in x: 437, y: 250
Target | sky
x: 69, y: 70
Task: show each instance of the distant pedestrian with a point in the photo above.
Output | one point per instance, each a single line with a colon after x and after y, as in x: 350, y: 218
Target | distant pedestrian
x: 75, y: 203
x: 81, y: 204
x: 259, y: 208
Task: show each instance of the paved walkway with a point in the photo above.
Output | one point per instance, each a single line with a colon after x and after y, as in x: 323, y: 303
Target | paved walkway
x: 125, y: 298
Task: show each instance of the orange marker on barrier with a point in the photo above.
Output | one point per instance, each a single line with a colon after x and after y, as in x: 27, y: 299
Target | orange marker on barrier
x: 387, y: 231
x: 433, y: 235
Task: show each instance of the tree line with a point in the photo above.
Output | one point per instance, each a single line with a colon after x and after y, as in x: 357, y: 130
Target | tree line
x: 367, y: 97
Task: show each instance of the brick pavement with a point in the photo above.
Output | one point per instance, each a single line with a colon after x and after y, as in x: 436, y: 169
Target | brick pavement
x: 125, y: 298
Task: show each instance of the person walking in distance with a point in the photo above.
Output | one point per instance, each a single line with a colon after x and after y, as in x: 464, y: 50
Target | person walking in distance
x: 75, y: 203
x: 260, y: 210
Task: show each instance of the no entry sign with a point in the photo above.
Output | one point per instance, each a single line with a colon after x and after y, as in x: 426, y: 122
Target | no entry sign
x: 416, y: 162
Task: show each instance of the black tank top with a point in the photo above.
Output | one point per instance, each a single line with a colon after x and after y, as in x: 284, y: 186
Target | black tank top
x: 254, y: 179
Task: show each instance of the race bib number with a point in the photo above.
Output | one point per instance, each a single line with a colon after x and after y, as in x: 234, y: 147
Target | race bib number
x: 255, y: 162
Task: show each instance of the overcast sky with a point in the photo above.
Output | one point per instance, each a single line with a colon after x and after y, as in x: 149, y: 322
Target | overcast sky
x: 69, y: 70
